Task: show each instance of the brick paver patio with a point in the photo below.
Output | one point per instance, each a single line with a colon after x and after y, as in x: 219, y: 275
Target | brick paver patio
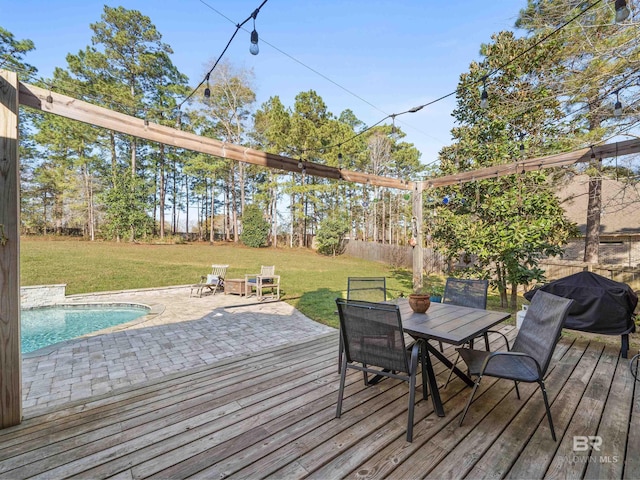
x: 182, y: 332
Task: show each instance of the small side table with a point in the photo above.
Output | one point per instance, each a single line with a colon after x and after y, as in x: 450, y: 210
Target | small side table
x: 234, y: 285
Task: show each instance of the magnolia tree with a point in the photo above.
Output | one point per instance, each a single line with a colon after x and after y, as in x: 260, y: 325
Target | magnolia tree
x: 505, y: 224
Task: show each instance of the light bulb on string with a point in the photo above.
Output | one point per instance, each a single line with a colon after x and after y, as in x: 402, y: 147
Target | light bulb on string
x: 622, y: 11
x: 617, y: 108
x: 253, y: 48
x: 207, y: 90
x: 484, y: 97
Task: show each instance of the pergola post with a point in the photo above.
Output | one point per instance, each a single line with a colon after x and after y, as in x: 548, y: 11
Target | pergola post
x: 10, y: 356
x: 418, y: 249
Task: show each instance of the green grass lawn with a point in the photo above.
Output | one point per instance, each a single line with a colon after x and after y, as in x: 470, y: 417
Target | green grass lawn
x: 310, y: 282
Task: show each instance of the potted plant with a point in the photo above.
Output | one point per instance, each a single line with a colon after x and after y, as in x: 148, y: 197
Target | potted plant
x: 419, y: 300
x: 436, y: 293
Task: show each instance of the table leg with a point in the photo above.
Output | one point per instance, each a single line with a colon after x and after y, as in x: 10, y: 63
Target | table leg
x: 433, y: 384
x: 448, y: 363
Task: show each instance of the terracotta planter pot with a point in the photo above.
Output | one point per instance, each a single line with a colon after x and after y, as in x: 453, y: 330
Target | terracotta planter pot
x: 419, y: 303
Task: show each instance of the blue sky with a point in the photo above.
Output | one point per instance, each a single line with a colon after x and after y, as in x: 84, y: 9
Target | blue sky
x: 394, y: 54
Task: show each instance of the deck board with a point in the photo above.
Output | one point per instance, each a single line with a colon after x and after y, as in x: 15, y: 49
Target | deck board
x: 271, y: 414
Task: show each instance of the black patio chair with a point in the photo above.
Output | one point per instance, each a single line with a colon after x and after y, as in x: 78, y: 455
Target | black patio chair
x: 373, y: 337
x: 533, y: 347
x: 368, y: 289
x: 465, y: 292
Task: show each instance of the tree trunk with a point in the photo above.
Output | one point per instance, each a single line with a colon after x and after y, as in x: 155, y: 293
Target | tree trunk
x: 592, y: 238
x: 89, y: 196
x: 174, y: 192
x: 234, y: 205
x: 514, y: 297
x: 227, y: 214
x: 133, y: 157
x: 114, y: 159
x: 242, y: 188
x: 293, y: 216
x: 502, y: 286
x: 186, y: 195
x: 383, y: 223
x: 213, y: 215
x: 162, y: 191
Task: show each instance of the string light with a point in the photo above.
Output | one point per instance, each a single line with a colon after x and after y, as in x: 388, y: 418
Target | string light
x: 207, y: 91
x: 419, y: 107
x: 253, y: 48
x: 238, y: 27
x: 622, y: 11
x: 484, y: 97
x: 617, y: 108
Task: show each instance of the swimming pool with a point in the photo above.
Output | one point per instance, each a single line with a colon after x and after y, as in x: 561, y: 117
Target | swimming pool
x: 44, y: 326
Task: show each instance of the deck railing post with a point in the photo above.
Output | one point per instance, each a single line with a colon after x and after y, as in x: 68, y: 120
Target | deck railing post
x: 418, y: 249
x: 10, y: 356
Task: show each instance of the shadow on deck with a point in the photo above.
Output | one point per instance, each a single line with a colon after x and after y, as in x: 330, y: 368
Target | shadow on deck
x: 271, y: 414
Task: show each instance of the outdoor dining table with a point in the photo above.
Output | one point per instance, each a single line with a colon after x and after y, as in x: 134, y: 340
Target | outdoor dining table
x: 448, y: 324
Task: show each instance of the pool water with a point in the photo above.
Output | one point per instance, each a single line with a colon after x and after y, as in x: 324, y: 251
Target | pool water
x: 41, y: 327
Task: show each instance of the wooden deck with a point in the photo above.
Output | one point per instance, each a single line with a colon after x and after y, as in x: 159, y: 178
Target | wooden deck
x: 271, y: 414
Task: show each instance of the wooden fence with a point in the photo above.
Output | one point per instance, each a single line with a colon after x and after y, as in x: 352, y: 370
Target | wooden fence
x: 555, y: 269
x: 395, y: 255
x: 434, y: 263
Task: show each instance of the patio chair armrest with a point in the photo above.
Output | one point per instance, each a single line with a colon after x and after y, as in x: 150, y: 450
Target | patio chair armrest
x: 509, y: 354
x: 506, y: 340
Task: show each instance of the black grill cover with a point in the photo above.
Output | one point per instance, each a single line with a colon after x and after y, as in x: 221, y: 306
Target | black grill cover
x: 600, y: 305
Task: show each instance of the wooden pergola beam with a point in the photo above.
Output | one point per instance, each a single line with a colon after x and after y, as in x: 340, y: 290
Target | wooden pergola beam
x: 81, y: 111
x: 608, y: 150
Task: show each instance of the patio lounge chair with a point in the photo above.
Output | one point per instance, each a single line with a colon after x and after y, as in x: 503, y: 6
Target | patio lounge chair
x: 533, y: 347
x: 266, y: 279
x: 212, y: 281
x: 373, y: 337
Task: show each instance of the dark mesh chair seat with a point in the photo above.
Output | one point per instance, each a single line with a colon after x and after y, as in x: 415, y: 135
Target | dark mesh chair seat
x: 521, y: 369
x: 374, y: 343
x: 533, y: 347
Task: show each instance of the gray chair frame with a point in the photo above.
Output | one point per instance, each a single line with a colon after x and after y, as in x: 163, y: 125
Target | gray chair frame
x: 466, y: 292
x: 368, y: 289
x: 374, y: 337
x: 532, y: 350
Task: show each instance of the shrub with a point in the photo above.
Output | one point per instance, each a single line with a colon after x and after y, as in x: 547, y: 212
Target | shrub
x: 330, y: 238
x: 255, y: 229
